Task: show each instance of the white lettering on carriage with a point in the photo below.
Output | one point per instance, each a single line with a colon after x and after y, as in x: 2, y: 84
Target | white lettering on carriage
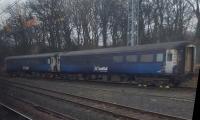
x: 25, y: 68
x: 101, y: 69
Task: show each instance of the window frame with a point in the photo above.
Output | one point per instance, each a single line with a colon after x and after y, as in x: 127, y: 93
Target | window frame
x: 130, y: 60
x: 146, y: 61
x: 119, y: 60
x: 158, y: 58
x: 171, y: 57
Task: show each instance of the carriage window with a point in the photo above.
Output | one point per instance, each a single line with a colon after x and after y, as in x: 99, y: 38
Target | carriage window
x: 118, y: 59
x: 131, y: 58
x: 159, y: 57
x: 49, y: 61
x: 169, y: 57
x: 146, y: 58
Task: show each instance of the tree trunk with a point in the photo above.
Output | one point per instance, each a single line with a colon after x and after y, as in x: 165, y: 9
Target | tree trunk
x: 104, y: 31
x: 198, y: 29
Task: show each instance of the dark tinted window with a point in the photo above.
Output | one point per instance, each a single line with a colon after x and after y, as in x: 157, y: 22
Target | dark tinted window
x: 146, y: 58
x: 118, y: 59
x: 159, y: 57
x: 131, y: 58
x: 169, y: 57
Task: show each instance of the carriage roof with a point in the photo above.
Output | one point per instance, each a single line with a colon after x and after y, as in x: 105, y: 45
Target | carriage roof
x: 169, y: 45
x: 32, y: 56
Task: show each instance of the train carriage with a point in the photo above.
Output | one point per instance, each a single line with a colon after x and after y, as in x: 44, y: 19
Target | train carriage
x: 164, y: 63
x: 42, y: 63
x: 161, y: 60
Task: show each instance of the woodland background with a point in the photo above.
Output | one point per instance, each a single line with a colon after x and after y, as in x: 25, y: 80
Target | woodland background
x: 40, y: 26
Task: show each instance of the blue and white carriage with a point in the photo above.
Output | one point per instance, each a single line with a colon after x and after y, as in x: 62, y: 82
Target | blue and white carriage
x: 42, y: 63
x: 164, y: 58
x: 153, y: 60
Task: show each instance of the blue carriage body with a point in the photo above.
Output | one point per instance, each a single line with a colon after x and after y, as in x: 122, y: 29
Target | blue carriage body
x: 105, y: 63
x: 146, y: 59
x: 28, y: 64
x: 143, y: 59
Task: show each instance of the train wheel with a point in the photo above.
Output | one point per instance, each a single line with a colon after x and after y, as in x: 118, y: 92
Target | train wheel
x: 109, y: 77
x: 159, y: 84
x: 167, y: 86
x: 170, y: 85
x: 121, y: 78
x: 86, y: 77
x: 97, y: 77
x: 145, y: 85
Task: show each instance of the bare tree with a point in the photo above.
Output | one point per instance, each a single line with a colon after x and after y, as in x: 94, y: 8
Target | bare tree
x: 195, y: 4
x: 162, y: 21
x: 65, y: 25
x: 104, y: 8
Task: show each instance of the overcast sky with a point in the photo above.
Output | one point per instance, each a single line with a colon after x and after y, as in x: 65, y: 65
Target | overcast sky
x: 3, y: 5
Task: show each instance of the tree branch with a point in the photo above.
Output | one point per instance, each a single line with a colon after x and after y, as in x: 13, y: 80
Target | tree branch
x: 191, y: 4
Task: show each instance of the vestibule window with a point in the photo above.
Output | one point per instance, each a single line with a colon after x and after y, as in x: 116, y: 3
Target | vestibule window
x: 159, y: 57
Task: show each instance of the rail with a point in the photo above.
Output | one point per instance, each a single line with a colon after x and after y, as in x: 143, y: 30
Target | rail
x: 120, y: 111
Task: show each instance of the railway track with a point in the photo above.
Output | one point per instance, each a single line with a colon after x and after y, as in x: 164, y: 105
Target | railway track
x: 105, y: 82
x: 23, y: 116
x: 45, y: 110
x: 114, y: 83
x: 135, y: 93
x: 119, y: 111
x: 29, y: 114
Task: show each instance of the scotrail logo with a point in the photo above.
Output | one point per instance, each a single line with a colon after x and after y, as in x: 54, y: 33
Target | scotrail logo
x: 100, y: 69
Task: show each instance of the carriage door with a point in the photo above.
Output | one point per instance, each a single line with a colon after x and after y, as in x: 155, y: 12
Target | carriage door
x: 58, y: 63
x: 189, y: 59
x: 171, y: 60
x: 53, y: 64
